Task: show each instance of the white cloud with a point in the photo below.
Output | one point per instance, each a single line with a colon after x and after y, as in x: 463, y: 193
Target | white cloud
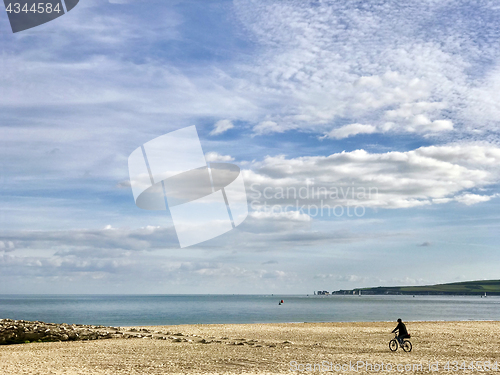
x: 407, y: 119
x: 215, y: 157
x: 422, y: 124
x: 268, y: 127
x: 221, y: 126
x: 442, y: 125
x: 289, y: 215
x: 470, y: 199
x: 350, y: 130
x: 425, y: 176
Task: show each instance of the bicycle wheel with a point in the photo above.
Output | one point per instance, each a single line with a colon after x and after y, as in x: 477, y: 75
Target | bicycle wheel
x: 393, y: 345
x: 406, y: 346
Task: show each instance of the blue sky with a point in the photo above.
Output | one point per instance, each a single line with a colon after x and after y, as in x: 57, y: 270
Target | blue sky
x: 399, y: 97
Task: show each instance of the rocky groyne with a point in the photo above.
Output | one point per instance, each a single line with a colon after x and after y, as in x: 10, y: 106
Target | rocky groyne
x: 22, y: 331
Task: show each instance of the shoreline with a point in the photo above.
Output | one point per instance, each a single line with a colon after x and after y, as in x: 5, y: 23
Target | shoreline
x: 325, y: 322
x: 253, y: 323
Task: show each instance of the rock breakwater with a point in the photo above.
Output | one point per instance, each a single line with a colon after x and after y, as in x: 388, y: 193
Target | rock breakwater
x: 23, y: 331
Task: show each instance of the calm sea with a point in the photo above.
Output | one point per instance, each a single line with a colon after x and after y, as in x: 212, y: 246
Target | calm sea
x: 125, y: 310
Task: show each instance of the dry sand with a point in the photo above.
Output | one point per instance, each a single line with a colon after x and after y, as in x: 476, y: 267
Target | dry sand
x: 262, y: 349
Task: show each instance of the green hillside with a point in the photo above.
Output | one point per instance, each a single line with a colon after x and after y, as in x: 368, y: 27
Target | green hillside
x: 480, y: 287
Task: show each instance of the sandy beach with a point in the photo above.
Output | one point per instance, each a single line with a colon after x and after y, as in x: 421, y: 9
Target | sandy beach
x: 266, y: 349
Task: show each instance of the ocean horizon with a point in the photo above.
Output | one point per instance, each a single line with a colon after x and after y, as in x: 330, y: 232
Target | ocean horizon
x: 177, y: 309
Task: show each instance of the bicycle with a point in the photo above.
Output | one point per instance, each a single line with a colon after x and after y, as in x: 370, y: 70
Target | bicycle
x: 405, y: 344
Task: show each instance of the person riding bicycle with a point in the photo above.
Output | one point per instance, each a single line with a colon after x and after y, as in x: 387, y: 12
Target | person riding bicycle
x: 402, y: 332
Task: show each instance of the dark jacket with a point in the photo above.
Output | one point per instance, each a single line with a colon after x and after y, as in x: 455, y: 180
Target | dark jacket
x: 401, y: 328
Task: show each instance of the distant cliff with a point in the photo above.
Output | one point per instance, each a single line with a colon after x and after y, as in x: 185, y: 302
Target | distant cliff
x: 480, y: 287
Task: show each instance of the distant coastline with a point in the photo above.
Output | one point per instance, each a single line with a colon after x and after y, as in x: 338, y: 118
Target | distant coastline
x: 468, y: 288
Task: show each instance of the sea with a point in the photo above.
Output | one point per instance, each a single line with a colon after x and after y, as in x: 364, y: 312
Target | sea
x: 132, y: 310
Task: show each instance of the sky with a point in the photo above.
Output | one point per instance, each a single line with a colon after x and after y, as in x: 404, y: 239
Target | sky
x: 367, y: 133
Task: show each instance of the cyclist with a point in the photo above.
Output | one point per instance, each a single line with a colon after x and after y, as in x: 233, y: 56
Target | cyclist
x: 403, y: 333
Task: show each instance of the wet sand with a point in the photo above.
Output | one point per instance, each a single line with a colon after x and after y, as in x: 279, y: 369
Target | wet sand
x: 265, y: 349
